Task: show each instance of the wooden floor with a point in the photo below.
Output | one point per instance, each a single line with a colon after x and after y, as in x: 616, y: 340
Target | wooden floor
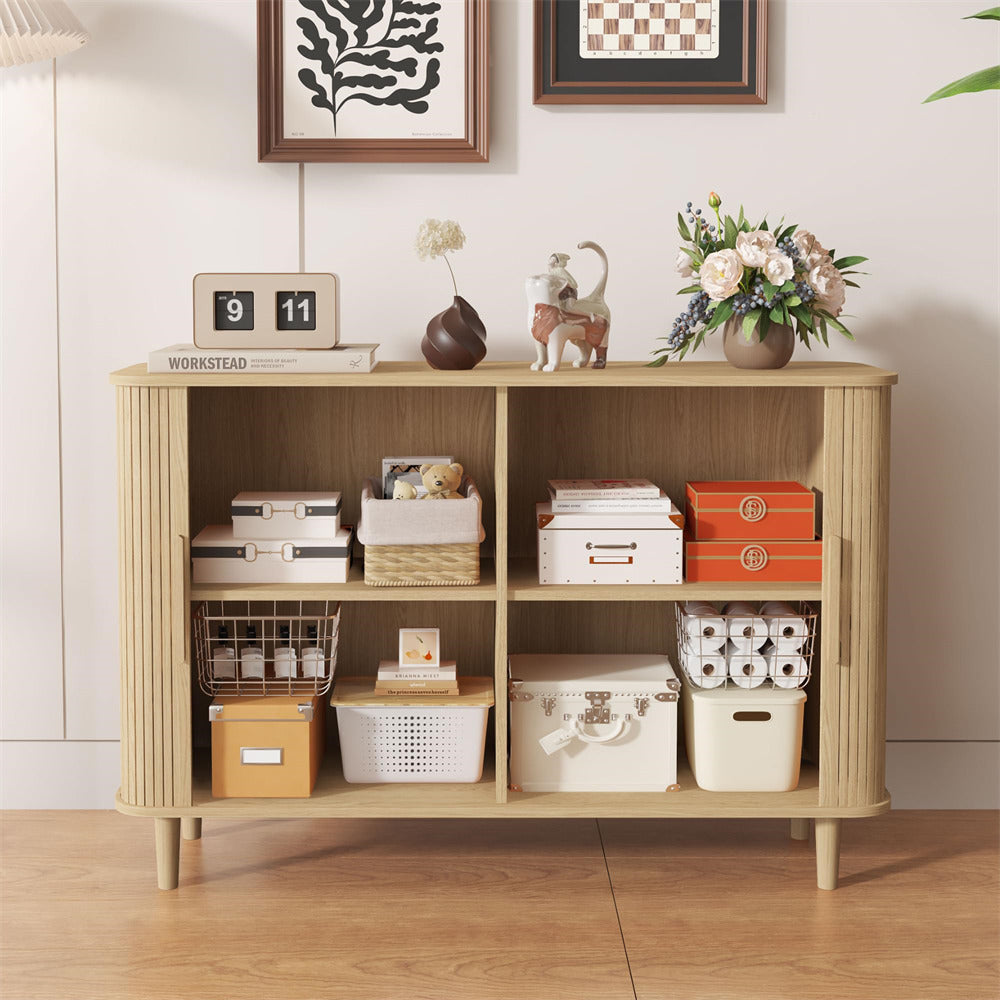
x: 547, y: 909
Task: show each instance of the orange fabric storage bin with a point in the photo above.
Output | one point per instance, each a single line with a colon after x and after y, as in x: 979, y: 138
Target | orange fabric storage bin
x: 750, y: 510
x: 266, y: 747
x: 774, y: 561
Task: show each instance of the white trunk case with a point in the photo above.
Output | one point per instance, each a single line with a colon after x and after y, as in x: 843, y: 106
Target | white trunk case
x: 609, y: 722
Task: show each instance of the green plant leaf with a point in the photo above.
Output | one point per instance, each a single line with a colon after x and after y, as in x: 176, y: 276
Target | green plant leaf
x: 695, y: 255
x: 690, y: 290
x: 788, y: 286
x: 720, y: 314
x: 769, y: 290
x: 848, y: 262
x: 777, y: 314
x: 749, y: 322
x: 792, y: 300
x: 682, y: 228
x: 658, y: 363
x: 729, y: 241
x: 822, y: 330
x: 835, y: 323
x: 990, y: 14
x: 853, y: 284
x: 801, y: 313
x: 741, y: 220
x: 984, y: 79
x: 765, y: 325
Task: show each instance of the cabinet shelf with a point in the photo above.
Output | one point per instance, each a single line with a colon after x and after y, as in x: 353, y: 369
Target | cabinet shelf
x: 523, y: 585
x: 354, y: 590
x: 333, y: 797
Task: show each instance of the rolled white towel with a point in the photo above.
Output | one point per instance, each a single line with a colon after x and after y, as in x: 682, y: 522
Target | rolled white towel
x: 787, y: 670
x: 703, y: 626
x: 747, y: 630
x: 787, y: 629
x: 705, y: 671
x: 746, y: 670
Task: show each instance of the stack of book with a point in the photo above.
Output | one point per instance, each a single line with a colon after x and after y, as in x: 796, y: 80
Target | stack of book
x: 395, y: 678
x: 608, y: 496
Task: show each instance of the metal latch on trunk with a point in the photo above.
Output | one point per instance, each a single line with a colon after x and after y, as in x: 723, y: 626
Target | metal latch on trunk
x: 599, y: 710
x: 548, y: 703
x: 514, y: 692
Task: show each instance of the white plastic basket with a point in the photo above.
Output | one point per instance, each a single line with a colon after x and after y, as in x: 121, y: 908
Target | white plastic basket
x: 437, y: 743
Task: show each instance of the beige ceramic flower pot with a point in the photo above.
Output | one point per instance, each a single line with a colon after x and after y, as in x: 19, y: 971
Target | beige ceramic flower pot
x: 774, y: 351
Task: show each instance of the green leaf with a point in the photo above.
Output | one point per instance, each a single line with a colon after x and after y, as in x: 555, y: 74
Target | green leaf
x: 835, y: 323
x: 822, y: 330
x: 690, y: 290
x: 792, y: 300
x: 990, y: 14
x: 769, y: 290
x: 848, y: 262
x: 749, y: 322
x: 682, y: 228
x: 984, y: 79
x: 720, y: 314
x: 765, y: 325
x: 853, y: 284
x: 777, y: 314
x: 695, y: 255
x: 801, y: 313
x: 658, y: 363
x: 788, y: 286
x: 741, y: 220
x: 729, y: 240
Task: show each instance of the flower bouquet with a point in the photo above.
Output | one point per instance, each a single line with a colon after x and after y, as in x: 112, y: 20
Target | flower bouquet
x: 456, y: 337
x: 755, y: 280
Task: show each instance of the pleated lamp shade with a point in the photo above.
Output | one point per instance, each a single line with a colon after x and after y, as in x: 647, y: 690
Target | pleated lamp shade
x: 31, y: 30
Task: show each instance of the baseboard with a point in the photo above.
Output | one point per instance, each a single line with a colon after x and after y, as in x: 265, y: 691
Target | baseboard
x: 943, y: 775
x: 73, y: 774
x: 59, y: 774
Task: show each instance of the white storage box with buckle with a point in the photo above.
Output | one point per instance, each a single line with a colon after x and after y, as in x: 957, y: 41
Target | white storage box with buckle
x: 744, y: 740
x: 610, y: 548
x: 286, y: 515
x: 218, y: 556
x: 593, y: 723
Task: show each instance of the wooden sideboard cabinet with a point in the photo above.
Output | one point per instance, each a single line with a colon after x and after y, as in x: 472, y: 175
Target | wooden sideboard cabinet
x: 188, y: 444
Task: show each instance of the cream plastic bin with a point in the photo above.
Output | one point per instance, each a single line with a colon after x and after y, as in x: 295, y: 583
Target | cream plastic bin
x: 744, y: 740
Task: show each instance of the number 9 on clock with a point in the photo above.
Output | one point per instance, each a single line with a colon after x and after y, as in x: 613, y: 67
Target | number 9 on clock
x: 234, y: 310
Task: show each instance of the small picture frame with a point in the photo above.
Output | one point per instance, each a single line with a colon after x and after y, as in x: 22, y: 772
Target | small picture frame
x: 420, y: 647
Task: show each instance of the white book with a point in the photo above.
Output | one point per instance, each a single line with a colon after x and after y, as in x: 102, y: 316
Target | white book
x: 624, y: 505
x: 187, y: 359
x: 604, y: 489
x: 390, y: 670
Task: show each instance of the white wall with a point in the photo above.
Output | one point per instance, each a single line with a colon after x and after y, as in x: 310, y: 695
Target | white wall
x: 142, y: 171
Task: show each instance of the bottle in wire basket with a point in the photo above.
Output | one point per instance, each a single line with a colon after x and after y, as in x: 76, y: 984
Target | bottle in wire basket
x: 284, y: 656
x: 312, y: 656
x: 252, y: 657
x: 223, y: 657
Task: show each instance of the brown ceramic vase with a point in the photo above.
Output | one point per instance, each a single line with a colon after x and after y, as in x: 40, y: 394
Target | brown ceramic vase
x: 774, y: 351
x: 455, y: 338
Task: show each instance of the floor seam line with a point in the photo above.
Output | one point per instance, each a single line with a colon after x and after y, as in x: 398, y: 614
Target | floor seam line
x: 614, y: 900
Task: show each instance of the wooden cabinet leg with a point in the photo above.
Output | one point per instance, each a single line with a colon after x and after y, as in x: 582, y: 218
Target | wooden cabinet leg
x: 800, y: 828
x: 827, y: 852
x: 191, y: 828
x: 168, y: 851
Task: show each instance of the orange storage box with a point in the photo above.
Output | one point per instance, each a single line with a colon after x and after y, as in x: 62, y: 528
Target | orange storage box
x: 776, y: 562
x: 750, y: 510
x: 266, y: 747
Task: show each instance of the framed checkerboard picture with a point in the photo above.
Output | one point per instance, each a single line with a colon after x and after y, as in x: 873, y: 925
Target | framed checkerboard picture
x: 655, y: 52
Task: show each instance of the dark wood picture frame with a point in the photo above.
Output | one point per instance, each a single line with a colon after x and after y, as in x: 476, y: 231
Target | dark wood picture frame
x: 272, y: 145
x: 748, y: 86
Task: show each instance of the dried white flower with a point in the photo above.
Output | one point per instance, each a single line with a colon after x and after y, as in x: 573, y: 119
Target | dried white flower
x: 436, y: 237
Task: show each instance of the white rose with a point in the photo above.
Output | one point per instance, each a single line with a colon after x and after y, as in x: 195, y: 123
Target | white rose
x: 754, y: 247
x: 721, y: 273
x: 778, y: 267
x: 814, y: 259
x: 683, y: 265
x: 806, y: 243
x: 827, y: 283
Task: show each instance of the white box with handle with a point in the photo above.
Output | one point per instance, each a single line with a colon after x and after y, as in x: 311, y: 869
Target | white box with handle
x: 593, y: 723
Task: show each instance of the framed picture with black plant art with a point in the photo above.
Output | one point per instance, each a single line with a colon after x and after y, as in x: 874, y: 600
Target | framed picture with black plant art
x: 372, y: 80
x: 650, y: 52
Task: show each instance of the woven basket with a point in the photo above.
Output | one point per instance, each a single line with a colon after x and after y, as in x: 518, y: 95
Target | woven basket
x: 422, y: 565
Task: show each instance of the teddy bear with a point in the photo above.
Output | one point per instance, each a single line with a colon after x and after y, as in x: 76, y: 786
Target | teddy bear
x: 442, y: 481
x: 402, y: 490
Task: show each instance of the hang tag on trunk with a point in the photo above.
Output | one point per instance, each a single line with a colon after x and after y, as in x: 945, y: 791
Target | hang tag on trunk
x: 556, y: 740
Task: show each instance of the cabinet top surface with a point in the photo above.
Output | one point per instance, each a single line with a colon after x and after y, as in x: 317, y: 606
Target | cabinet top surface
x: 817, y: 374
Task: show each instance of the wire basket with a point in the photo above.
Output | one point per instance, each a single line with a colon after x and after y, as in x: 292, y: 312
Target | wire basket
x: 256, y: 648
x: 746, y: 644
